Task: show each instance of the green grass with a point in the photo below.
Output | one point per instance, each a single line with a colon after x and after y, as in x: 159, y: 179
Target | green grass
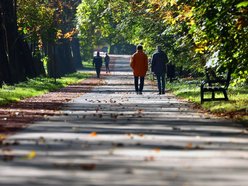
x: 237, y: 106
x: 88, y: 64
x: 37, y: 86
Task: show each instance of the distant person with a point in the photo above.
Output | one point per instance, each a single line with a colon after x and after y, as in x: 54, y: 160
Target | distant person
x: 139, y: 64
x: 159, y: 60
x: 106, y: 60
x: 97, y: 62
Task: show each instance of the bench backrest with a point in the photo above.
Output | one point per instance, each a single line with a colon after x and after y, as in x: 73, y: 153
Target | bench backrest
x: 211, y: 75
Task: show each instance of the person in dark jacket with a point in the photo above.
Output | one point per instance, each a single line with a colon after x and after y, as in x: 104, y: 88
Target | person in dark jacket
x: 159, y: 60
x: 97, y: 62
x: 106, y: 60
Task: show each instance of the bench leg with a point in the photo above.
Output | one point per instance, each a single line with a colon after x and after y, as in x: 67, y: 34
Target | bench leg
x: 202, y: 96
x: 225, y: 94
x: 213, y: 96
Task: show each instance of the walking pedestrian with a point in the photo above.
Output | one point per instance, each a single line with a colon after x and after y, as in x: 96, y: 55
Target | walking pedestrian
x: 106, y: 60
x: 159, y: 60
x: 139, y: 65
x: 97, y: 62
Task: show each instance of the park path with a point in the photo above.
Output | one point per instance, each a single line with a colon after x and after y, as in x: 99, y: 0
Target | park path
x: 111, y: 136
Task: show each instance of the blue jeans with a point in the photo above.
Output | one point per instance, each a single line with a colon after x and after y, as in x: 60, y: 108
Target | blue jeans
x: 161, y: 82
x: 139, y: 87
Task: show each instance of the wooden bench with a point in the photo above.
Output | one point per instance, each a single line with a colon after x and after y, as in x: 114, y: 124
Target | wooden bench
x: 215, y: 84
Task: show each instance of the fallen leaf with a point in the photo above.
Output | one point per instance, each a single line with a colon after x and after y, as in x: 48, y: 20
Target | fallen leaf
x: 129, y: 171
x: 93, y: 134
x: 149, y: 158
x: 88, y: 166
x: 31, y: 155
x: 118, y: 144
x: 114, y: 116
x: 2, y: 136
x: 7, y: 154
x: 42, y: 140
x: 157, y: 150
x: 198, y: 147
x: 176, y: 128
x: 130, y: 135
x: 189, y: 146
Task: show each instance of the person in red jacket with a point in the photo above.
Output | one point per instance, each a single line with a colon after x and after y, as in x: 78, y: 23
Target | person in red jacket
x: 139, y: 64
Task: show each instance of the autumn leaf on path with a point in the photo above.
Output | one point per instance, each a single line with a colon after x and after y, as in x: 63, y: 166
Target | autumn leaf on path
x: 31, y: 155
x: 157, y: 150
x: 42, y: 140
x: 176, y: 128
x: 130, y: 135
x: 2, y: 137
x: 114, y: 116
x: 140, y: 111
x: 88, y: 166
x: 129, y: 171
x: 93, y: 134
x: 7, y: 155
x: 189, y: 146
x: 149, y: 158
x: 118, y: 144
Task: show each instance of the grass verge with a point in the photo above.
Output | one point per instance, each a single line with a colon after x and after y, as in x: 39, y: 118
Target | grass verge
x: 88, y: 64
x: 37, y: 86
x: 236, y: 108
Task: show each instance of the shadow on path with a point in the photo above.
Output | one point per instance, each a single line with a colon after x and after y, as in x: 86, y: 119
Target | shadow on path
x: 111, y: 136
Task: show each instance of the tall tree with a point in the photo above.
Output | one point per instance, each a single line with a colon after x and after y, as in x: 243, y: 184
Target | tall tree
x: 16, y: 58
x: 194, y: 33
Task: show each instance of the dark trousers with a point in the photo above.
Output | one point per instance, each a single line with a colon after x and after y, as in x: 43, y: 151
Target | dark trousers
x: 161, y: 83
x: 107, y: 67
x: 98, y: 70
x: 139, y: 86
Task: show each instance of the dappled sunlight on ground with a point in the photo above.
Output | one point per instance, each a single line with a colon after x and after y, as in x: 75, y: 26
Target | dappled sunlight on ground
x: 111, y: 136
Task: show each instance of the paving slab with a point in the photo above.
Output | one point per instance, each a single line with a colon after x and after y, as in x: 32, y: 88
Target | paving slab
x: 111, y: 136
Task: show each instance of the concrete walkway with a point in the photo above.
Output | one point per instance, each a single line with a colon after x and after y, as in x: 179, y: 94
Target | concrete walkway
x: 111, y: 136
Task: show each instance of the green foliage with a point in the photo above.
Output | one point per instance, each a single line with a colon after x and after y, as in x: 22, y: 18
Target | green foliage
x: 98, y: 24
x: 88, y: 64
x: 37, y: 86
x: 35, y: 19
x: 242, y: 4
x: 237, y: 104
x: 191, y: 32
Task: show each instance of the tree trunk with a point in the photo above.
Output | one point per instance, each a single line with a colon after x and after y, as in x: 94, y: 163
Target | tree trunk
x: 63, y: 53
x: 75, y: 47
x: 17, y: 63
x: 5, y: 76
x: 51, y: 64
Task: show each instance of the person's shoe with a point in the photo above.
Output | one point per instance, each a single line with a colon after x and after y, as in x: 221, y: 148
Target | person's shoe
x: 137, y: 92
x: 140, y: 92
x: 159, y: 93
x: 163, y: 92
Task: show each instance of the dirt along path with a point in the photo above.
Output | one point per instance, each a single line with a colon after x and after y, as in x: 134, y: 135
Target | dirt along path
x: 111, y: 136
x: 18, y: 115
